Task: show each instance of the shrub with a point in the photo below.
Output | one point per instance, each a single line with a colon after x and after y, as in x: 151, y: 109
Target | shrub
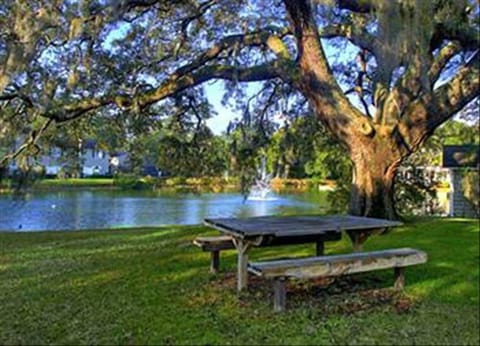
x: 132, y: 182
x: 415, y: 194
x: 471, y: 189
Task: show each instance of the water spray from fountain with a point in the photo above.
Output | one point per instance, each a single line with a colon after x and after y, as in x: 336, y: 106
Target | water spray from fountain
x: 261, y: 190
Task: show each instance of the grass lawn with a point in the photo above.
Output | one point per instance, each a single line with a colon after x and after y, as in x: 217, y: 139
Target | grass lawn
x: 150, y: 286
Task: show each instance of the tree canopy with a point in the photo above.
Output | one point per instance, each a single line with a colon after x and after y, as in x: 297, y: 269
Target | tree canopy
x: 380, y: 76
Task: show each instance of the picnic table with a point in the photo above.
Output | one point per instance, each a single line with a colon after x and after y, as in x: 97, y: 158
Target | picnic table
x: 274, y: 230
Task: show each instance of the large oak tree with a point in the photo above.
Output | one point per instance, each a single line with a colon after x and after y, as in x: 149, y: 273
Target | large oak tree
x: 403, y: 67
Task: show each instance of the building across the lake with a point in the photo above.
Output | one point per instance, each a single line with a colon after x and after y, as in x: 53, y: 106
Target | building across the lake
x: 460, y: 159
x: 89, y: 159
x: 92, y: 160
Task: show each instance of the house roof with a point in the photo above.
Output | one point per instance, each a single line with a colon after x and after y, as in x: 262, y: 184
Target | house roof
x: 461, y: 156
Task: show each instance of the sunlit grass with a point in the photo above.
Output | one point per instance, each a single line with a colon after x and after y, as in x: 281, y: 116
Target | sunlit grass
x: 151, y: 286
x: 75, y: 182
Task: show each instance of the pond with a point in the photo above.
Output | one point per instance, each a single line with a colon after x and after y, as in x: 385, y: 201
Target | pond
x: 96, y: 209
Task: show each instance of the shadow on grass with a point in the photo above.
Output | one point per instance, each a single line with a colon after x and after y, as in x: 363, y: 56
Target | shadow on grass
x: 153, y: 286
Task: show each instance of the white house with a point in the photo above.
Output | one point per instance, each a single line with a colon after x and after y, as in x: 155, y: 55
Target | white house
x: 458, y: 158
x: 93, y: 160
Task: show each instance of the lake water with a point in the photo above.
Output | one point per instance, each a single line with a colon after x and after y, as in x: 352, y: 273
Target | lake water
x: 94, y: 209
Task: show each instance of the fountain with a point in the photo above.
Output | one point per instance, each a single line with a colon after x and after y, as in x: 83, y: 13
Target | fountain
x: 261, y: 190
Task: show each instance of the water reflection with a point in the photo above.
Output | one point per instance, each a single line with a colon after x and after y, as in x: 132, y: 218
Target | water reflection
x: 71, y: 210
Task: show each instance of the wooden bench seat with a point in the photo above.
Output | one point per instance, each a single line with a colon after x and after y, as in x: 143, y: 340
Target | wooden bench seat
x: 214, y: 244
x: 323, y: 266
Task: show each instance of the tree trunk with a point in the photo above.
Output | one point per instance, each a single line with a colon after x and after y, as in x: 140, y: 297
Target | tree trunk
x: 374, y: 168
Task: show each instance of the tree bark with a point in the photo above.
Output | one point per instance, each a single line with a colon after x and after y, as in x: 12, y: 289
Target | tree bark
x: 372, y: 190
x: 375, y: 163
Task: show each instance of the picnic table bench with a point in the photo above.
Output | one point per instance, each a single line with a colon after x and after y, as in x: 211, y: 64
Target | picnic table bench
x: 336, y: 265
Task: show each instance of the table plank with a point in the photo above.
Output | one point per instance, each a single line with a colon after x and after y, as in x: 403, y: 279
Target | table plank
x: 293, y: 226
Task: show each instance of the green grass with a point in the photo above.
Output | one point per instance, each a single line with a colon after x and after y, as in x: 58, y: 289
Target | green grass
x: 75, y: 182
x: 151, y: 286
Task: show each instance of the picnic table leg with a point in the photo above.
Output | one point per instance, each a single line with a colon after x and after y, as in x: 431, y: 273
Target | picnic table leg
x: 242, y: 266
x: 319, y: 248
x: 357, y: 243
x: 358, y: 238
x: 242, y: 247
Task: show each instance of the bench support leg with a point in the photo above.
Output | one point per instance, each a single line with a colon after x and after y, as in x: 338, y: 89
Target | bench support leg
x: 320, y: 248
x: 279, y: 294
x: 399, y: 273
x: 214, y: 261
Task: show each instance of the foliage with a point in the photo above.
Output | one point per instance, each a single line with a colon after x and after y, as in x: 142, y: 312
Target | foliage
x: 247, y: 148
x: 471, y: 189
x: 151, y: 286
x: 416, y: 194
x: 131, y: 182
x: 376, y: 74
x: 204, y: 154
x: 293, y: 146
x: 302, y: 148
x: 178, y: 141
x: 23, y: 179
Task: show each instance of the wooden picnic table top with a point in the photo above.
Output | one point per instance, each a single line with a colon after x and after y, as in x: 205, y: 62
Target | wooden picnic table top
x: 296, y: 226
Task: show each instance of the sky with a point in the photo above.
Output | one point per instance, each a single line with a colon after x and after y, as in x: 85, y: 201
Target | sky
x: 219, y: 122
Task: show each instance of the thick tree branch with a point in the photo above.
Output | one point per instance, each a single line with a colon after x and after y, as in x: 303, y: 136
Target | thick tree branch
x: 316, y: 80
x: 192, y: 74
x: 177, y: 84
x: 28, y: 143
x: 67, y: 112
x: 424, y: 115
x: 442, y: 59
x: 456, y: 94
x: 8, y: 97
x: 266, y: 37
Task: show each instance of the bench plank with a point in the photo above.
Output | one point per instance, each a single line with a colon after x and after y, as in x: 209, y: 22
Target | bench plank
x: 319, y: 266
x: 214, y: 243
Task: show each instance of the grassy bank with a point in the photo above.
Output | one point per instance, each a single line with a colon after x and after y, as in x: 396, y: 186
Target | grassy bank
x: 8, y: 186
x: 208, y: 184
x: 74, y: 183
x: 150, y: 286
